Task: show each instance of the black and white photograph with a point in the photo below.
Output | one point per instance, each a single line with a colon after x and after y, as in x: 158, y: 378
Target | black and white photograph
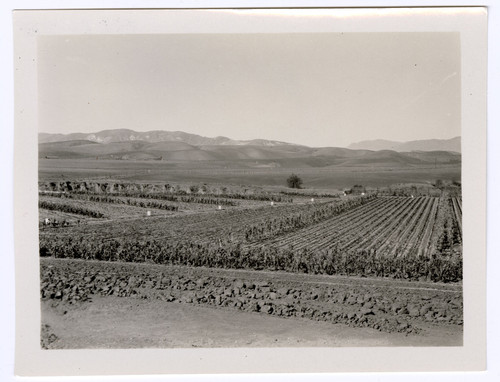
x: 250, y: 190
x: 280, y: 179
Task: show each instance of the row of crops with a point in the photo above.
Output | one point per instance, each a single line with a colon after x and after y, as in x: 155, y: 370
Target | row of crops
x: 279, y: 225
x: 144, y: 199
x: 262, y: 197
x: 456, y: 205
x: 236, y: 256
x: 409, y: 238
x: 196, y: 196
x: 390, y: 225
x: 69, y: 208
x: 450, y: 225
x: 309, y: 194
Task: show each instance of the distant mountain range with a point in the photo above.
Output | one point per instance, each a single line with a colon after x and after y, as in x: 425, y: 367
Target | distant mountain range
x: 179, y: 146
x: 453, y: 144
x: 126, y: 135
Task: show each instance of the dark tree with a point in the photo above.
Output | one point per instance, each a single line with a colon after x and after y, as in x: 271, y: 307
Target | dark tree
x: 294, y: 181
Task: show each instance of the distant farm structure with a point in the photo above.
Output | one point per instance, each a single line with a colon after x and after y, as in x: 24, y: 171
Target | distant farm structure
x: 357, y: 189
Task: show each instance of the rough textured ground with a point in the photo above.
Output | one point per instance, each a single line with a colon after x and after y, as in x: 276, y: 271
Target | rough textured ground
x: 119, y: 305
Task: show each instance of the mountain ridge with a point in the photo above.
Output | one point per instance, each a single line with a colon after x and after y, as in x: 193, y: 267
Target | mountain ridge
x: 452, y: 144
x: 153, y: 136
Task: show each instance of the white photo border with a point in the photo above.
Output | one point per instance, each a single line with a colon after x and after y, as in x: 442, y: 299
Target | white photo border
x: 32, y: 361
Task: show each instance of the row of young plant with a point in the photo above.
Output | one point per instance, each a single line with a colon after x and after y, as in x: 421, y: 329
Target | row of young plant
x: 327, y: 233
x: 225, y: 199
x: 222, y: 198
x: 262, y: 197
x: 114, y: 200
x: 389, y: 225
x: 450, y: 236
x: 184, y: 198
x: 272, y: 227
x: 448, y: 230
x: 408, y: 237
x: 428, y: 228
x: 380, y: 222
x: 393, y: 227
x: 309, y: 194
x: 234, y: 256
x: 69, y: 208
x: 456, y: 205
x: 132, y: 201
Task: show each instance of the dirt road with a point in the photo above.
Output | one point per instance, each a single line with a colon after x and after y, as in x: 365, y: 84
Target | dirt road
x: 115, y: 322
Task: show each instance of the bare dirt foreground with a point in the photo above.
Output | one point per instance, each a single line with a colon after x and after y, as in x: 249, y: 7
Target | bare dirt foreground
x: 88, y: 304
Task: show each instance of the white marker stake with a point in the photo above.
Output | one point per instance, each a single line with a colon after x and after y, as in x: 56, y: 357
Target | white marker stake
x: 272, y: 203
x: 220, y: 207
x: 148, y: 213
x: 312, y: 200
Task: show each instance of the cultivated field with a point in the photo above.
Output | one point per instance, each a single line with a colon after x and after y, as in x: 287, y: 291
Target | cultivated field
x: 178, y: 235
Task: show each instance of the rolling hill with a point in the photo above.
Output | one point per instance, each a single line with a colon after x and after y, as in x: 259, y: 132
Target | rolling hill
x: 246, y: 155
x: 178, y: 146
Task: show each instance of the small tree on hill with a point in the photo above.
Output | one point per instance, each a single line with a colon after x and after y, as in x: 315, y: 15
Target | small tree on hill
x: 294, y: 181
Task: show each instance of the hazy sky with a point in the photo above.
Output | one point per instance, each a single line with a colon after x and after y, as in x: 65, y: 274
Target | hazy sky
x: 311, y: 89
